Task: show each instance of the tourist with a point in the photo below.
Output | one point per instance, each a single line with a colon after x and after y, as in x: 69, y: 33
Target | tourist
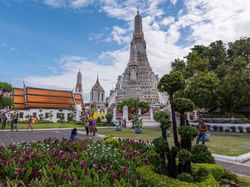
x: 30, y: 123
x: 15, y: 120
x: 124, y: 123
x: 73, y: 134
x: 86, y: 122
x: 92, y: 127
x: 4, y: 120
x: 202, y: 132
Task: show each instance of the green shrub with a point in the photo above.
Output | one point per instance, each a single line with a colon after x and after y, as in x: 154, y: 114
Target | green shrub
x: 228, y: 175
x: 184, y: 155
x: 200, y: 174
x: 98, y: 120
x: 187, y: 132
x: 109, y: 117
x: 152, y: 179
x: 185, y: 177
x: 216, y: 170
x: 200, y: 154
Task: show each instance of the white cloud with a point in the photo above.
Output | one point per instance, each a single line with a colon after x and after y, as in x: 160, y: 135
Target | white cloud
x: 71, y: 64
x: 208, y: 20
x: 76, y: 4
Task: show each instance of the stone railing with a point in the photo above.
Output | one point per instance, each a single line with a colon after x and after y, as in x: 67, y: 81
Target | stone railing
x: 226, y: 127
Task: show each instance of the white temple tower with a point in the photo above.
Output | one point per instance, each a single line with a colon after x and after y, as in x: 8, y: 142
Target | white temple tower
x: 138, y: 80
x: 97, y: 95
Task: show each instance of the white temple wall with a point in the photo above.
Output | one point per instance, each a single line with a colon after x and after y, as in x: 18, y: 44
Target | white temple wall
x: 44, y: 111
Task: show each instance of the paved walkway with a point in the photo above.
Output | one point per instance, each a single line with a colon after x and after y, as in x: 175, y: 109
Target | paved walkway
x: 235, y: 167
x: 8, y: 137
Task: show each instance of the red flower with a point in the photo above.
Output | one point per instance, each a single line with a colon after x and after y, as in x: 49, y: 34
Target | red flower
x: 114, y: 176
x: 19, y: 171
x: 83, y: 164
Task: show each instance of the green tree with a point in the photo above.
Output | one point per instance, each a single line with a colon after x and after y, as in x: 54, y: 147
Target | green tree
x: 109, y: 117
x: 183, y: 105
x: 234, y: 89
x: 162, y: 146
x: 216, y: 54
x: 239, y: 49
x: 202, y: 90
x: 171, y: 83
x: 196, y: 63
x: 133, y: 104
x: 5, y: 88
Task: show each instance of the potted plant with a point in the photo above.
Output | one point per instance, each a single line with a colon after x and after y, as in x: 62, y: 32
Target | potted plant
x: 137, y: 124
x: 118, y: 126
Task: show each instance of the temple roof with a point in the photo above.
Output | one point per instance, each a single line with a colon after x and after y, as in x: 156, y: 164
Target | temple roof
x: 97, y: 86
x: 26, y: 98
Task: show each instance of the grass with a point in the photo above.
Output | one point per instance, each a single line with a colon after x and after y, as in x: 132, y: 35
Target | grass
x: 229, y: 144
x: 148, y: 134
x: 54, y: 125
x: 220, y: 143
x: 244, y: 181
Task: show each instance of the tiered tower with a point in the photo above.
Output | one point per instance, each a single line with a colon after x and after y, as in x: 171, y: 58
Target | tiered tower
x: 97, y: 95
x: 138, y: 80
x: 78, y: 88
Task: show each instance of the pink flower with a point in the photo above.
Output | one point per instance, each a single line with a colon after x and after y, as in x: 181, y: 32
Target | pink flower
x: 52, y: 165
x: 65, y: 177
x: 19, y: 171
x: 61, y: 153
x: 114, y: 176
x: 83, y: 164
x: 96, y: 166
x: 75, y: 181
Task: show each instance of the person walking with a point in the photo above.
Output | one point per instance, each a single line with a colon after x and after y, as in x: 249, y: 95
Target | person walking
x: 30, y: 123
x: 4, y: 120
x: 15, y: 121
x: 94, y: 129
x: 202, y: 132
x: 73, y: 134
x: 86, y: 123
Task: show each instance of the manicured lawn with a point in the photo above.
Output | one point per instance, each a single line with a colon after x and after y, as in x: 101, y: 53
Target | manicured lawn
x: 147, y: 133
x: 226, y: 144
x: 49, y: 125
x: 229, y: 144
x: 244, y: 181
x: 54, y: 125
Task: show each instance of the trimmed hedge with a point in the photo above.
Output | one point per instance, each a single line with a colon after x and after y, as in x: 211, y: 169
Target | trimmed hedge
x: 216, y: 170
x: 152, y: 179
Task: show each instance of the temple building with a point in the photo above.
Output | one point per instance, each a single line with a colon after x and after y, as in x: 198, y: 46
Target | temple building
x: 138, y: 80
x: 97, y: 96
x: 48, y: 104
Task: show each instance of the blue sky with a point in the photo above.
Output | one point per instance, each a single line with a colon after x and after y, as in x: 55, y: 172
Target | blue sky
x: 45, y: 42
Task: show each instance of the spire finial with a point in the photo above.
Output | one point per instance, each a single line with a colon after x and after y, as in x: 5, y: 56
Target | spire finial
x: 138, y: 10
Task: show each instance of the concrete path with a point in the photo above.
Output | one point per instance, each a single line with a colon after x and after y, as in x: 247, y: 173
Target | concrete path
x: 8, y: 137
x: 237, y: 168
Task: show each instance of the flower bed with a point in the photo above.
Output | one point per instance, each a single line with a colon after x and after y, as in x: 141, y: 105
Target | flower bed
x: 82, y: 163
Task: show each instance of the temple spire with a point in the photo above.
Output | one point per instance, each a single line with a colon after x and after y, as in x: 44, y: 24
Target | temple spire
x: 78, y: 87
x: 138, y: 23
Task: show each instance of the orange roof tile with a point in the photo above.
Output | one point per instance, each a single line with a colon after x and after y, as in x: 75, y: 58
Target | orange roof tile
x: 45, y: 98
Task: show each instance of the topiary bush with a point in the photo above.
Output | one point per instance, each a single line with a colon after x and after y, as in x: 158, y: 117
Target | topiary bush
x: 229, y: 178
x: 200, y: 174
x: 185, y: 177
x: 200, y: 154
x: 152, y: 179
x: 109, y: 117
x: 216, y: 170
